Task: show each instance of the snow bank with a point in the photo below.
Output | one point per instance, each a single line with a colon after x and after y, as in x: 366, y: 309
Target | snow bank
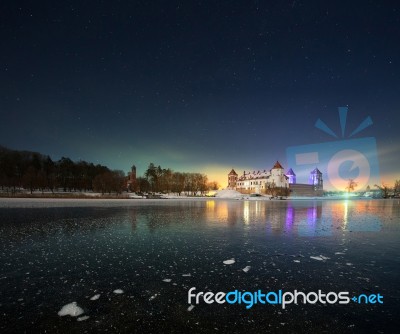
x: 134, y: 195
x: 227, y: 193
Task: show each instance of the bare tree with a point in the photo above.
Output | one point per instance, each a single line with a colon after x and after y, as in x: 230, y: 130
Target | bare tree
x: 213, y: 185
x: 396, y: 188
x: 384, y: 190
x: 351, y: 185
x: 30, y: 179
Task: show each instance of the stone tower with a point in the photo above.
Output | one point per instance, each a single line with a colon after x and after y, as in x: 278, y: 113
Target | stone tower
x: 132, y: 183
x: 232, y: 179
x: 316, y: 179
x: 278, y: 177
x: 133, y: 174
x: 292, y: 176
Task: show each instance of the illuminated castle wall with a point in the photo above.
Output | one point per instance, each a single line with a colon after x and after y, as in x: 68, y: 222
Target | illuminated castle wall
x: 260, y: 181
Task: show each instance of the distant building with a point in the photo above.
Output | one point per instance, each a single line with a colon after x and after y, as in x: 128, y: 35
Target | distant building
x: 132, y: 182
x: 262, y: 182
x: 259, y: 181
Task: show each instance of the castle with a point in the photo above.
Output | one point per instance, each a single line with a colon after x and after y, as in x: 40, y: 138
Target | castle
x: 266, y: 181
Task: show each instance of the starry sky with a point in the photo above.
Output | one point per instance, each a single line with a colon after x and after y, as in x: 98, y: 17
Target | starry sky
x: 200, y: 86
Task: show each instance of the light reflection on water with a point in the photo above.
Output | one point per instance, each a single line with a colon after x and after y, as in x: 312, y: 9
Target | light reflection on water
x: 302, y: 217
x: 53, y: 256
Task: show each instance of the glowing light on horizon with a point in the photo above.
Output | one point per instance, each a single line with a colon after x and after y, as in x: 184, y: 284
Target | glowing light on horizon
x: 345, y: 213
x: 246, y: 212
x: 210, y: 205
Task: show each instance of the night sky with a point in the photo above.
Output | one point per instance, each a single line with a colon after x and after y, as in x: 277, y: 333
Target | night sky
x: 197, y: 85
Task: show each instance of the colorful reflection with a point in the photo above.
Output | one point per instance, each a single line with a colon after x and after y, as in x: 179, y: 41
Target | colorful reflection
x: 220, y: 212
x: 246, y: 212
x: 303, y: 218
x: 290, y: 216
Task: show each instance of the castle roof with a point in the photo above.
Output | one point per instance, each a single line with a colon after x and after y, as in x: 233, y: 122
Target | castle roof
x: 290, y: 172
x: 232, y: 172
x: 316, y: 171
x: 277, y: 165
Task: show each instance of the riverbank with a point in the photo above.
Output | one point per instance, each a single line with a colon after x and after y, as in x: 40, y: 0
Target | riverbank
x: 132, y: 196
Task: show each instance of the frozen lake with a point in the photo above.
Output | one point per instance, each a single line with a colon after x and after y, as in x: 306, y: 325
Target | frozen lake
x: 128, y: 264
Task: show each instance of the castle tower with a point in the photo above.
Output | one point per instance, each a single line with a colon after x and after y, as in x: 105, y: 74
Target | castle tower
x: 292, y: 176
x: 316, y: 179
x: 132, y: 183
x: 132, y: 177
x: 232, y: 179
x: 278, y: 177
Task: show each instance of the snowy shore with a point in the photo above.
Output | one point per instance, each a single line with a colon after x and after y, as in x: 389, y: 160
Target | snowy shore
x: 114, y: 202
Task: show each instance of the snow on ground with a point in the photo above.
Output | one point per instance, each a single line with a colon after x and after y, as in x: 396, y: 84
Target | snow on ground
x: 136, y: 200
x: 228, y: 193
x: 80, y: 202
x: 134, y: 195
x: 233, y: 194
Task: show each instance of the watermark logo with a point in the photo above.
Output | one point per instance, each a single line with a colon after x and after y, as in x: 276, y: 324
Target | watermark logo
x: 283, y: 298
x: 339, y: 160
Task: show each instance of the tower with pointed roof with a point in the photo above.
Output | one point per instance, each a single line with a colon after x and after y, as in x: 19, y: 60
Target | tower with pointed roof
x: 278, y: 177
x: 232, y: 179
x: 277, y: 165
x: 316, y: 179
x: 132, y: 182
x: 291, y: 175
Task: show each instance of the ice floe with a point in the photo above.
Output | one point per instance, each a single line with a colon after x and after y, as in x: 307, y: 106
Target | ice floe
x: 246, y: 269
x: 230, y: 261
x: 71, y: 309
x: 167, y: 280
x: 118, y: 291
x: 191, y: 307
x: 95, y: 297
x: 319, y: 257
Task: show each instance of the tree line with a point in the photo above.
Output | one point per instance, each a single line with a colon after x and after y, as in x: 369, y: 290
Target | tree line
x: 25, y: 170
x: 385, y: 190
x: 389, y: 192
x: 33, y: 171
x: 165, y: 180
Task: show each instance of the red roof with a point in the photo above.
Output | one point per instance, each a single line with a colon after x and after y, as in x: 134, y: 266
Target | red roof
x: 232, y: 172
x: 277, y: 165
